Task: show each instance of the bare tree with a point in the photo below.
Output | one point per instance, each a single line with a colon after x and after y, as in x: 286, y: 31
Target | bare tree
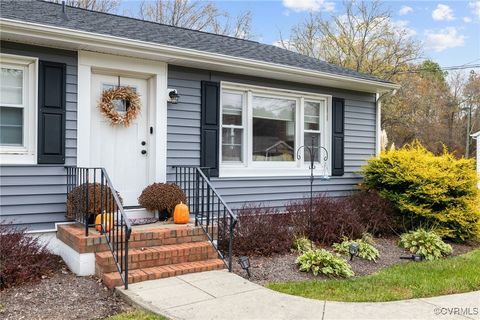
x: 197, y: 15
x: 363, y: 38
x: 95, y: 5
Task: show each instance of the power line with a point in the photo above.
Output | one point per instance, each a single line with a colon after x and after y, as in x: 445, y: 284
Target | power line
x: 461, y: 67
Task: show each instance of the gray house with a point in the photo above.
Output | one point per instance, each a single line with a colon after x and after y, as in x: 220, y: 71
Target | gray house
x: 243, y: 110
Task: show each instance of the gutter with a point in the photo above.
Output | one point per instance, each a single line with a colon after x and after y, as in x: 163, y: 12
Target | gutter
x: 83, y: 39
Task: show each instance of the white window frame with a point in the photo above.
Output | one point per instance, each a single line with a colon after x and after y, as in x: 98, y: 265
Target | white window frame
x: 25, y: 154
x: 250, y: 168
x: 232, y: 126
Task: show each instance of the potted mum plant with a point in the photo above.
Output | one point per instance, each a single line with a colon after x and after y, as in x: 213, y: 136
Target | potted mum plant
x: 162, y: 197
x: 77, y: 201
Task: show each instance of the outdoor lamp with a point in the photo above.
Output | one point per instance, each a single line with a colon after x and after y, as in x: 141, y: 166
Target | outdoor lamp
x: 245, y: 264
x: 414, y: 257
x: 353, y: 249
x: 173, y: 96
x: 417, y: 257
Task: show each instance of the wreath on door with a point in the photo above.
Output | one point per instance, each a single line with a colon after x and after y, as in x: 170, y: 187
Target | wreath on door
x: 109, y: 102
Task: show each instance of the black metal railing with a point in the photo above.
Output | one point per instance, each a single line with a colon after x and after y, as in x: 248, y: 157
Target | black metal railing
x: 90, y: 193
x: 211, y: 212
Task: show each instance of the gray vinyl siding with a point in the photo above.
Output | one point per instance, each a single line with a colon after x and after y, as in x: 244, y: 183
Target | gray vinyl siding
x: 34, y: 195
x: 183, y: 140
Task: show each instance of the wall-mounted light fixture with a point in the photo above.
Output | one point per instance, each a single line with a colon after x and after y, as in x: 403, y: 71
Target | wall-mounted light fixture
x: 172, y: 96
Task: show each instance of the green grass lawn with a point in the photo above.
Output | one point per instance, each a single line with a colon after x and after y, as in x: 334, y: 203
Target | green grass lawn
x: 137, y: 315
x: 402, y: 281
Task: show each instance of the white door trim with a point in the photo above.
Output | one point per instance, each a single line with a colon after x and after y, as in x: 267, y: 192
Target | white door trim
x: 156, y: 73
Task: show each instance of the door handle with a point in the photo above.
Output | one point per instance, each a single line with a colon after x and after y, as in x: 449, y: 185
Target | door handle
x: 144, y: 151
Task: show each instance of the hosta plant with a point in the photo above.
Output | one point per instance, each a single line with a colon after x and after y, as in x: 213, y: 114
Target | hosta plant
x: 302, y: 244
x: 321, y: 261
x: 426, y: 243
x: 366, y: 249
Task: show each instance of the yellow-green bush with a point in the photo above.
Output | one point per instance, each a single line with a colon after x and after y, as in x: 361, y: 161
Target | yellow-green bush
x: 437, y: 192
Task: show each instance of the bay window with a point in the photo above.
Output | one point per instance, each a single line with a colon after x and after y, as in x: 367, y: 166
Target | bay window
x: 262, y: 129
x: 17, y: 109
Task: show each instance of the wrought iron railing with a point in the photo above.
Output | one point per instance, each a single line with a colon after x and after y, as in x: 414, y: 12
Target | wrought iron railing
x: 90, y: 193
x: 211, y: 212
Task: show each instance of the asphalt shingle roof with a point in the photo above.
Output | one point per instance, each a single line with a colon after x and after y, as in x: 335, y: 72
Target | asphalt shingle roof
x: 48, y: 13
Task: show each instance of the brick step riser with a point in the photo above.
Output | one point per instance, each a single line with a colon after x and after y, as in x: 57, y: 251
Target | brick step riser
x: 159, y: 273
x: 165, y: 241
x: 110, y: 266
x: 137, y: 240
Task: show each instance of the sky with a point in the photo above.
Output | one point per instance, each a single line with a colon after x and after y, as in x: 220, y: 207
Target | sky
x: 449, y: 30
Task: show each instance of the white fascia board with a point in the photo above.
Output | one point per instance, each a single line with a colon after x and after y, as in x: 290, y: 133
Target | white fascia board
x: 475, y: 135
x: 19, y: 31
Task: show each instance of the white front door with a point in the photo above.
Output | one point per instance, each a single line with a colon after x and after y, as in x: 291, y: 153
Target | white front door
x: 123, y: 152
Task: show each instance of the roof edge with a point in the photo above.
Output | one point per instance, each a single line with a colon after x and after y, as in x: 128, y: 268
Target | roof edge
x: 86, y: 39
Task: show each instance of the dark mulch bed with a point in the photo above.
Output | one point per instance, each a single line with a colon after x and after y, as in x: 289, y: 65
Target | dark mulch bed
x: 61, y: 295
x: 280, y: 268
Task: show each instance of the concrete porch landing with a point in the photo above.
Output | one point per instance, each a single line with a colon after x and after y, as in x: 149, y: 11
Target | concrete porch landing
x: 224, y: 295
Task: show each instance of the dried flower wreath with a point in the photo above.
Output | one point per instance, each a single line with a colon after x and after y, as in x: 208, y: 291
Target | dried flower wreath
x: 109, y: 110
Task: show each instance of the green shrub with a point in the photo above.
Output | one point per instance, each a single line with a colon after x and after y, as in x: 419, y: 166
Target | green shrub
x: 426, y: 243
x: 366, y: 250
x: 302, y: 244
x: 437, y: 192
x: 321, y: 261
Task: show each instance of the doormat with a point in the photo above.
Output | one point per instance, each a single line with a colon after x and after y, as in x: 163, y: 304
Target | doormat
x: 142, y: 221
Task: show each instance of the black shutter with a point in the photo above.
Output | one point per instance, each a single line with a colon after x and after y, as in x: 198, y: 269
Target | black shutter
x: 51, y: 112
x: 210, y: 125
x: 338, y: 137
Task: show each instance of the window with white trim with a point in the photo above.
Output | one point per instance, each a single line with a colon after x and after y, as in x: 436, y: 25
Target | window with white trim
x: 17, y: 109
x: 313, y: 126
x: 232, y: 126
x: 262, y: 129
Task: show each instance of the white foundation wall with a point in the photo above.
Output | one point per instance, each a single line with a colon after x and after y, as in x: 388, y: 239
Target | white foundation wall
x: 82, y: 264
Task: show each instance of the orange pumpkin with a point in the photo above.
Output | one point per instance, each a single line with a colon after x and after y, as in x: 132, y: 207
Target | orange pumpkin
x: 181, y: 215
x: 108, y: 221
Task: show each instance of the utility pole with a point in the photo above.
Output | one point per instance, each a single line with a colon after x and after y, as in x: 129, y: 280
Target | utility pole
x: 467, y: 136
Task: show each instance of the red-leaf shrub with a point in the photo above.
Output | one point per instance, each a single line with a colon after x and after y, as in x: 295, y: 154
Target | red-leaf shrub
x: 330, y: 219
x: 262, y: 231
x: 265, y: 231
x: 375, y: 213
x: 22, y: 257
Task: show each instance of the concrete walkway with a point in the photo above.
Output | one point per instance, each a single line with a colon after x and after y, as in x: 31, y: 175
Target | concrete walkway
x: 224, y: 295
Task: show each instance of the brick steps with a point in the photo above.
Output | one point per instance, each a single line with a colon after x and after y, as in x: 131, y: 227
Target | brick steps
x: 157, y: 256
x: 112, y: 279
x: 155, y: 252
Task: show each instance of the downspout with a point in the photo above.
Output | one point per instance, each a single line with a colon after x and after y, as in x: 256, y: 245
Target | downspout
x: 378, y: 124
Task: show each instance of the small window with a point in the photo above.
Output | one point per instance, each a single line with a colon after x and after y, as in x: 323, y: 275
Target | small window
x: 273, y: 129
x: 121, y: 105
x: 17, y: 109
x: 312, y: 128
x: 232, y: 127
x: 11, y: 106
